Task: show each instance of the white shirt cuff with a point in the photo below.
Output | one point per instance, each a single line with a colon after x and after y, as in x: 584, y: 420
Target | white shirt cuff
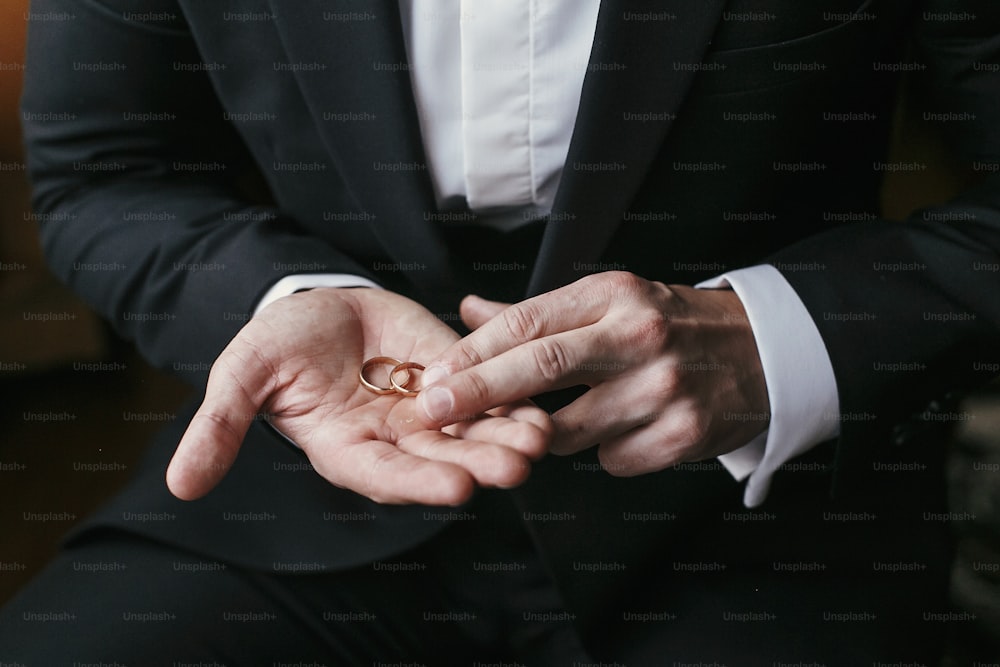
x: 801, y: 386
x: 303, y: 281
x: 741, y: 462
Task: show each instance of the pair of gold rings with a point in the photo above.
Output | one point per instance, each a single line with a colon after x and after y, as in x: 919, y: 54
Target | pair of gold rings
x: 395, y: 386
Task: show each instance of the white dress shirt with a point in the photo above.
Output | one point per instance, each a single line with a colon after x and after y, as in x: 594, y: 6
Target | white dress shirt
x: 497, y: 85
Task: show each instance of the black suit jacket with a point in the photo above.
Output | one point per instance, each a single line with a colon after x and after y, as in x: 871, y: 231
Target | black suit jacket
x: 187, y: 154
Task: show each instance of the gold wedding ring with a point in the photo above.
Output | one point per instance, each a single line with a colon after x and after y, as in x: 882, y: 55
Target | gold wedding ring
x: 378, y: 361
x: 401, y: 388
x: 394, y: 387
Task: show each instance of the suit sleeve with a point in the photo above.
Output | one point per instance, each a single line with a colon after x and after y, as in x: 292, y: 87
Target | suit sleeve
x: 137, y: 183
x: 910, y: 311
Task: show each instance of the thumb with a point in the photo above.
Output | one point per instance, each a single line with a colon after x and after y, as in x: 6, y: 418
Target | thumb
x: 208, y: 448
x: 477, y: 311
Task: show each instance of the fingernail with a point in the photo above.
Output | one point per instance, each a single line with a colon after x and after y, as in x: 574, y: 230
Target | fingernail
x: 438, y: 403
x: 433, y: 374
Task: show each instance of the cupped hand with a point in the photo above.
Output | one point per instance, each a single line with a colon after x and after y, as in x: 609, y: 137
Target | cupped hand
x: 674, y: 372
x: 297, y: 362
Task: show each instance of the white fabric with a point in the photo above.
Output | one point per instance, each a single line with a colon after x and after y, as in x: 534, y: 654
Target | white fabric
x: 497, y: 87
x: 801, y: 386
x: 303, y: 281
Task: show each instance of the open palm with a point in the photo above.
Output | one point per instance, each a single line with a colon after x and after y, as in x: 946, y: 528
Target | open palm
x: 297, y: 362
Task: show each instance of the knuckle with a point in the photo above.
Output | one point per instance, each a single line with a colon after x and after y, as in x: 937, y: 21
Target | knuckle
x: 476, y: 390
x: 666, y: 383
x: 551, y: 359
x: 690, y: 429
x: 521, y: 322
x: 698, y: 427
x: 623, y: 282
x: 466, y: 355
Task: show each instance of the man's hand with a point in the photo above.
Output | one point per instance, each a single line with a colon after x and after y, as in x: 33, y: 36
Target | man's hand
x: 674, y: 372
x: 297, y: 361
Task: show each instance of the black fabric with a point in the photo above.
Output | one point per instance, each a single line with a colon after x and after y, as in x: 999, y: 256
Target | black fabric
x: 716, y: 598
x: 493, y: 264
x: 476, y: 593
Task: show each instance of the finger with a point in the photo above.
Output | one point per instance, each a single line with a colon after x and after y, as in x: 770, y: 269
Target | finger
x: 387, y: 474
x: 355, y: 452
x: 571, y: 307
x: 604, y: 412
x: 237, y: 388
x: 674, y: 439
x: 477, y: 311
x: 553, y: 362
x: 526, y: 411
x: 490, y: 464
x: 528, y: 430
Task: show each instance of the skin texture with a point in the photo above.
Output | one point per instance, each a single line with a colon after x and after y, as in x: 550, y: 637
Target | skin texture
x: 672, y: 371
x: 297, y: 362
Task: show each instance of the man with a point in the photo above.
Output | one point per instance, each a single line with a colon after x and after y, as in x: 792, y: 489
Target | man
x: 709, y: 137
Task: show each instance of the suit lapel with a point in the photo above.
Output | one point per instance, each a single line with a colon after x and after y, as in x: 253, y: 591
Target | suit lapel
x: 640, y: 63
x: 637, y: 65
x: 381, y: 160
